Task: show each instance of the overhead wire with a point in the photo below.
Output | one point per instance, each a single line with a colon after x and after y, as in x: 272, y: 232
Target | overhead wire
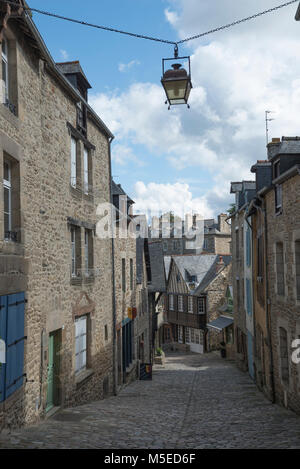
x: 151, y: 38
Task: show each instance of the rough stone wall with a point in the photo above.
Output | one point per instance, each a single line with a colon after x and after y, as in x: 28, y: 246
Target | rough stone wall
x: 216, y: 297
x: 41, y: 135
x: 125, y: 248
x: 222, y: 245
x: 285, y: 308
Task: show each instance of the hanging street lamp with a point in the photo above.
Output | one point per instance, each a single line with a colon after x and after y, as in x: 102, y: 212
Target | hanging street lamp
x: 177, y: 81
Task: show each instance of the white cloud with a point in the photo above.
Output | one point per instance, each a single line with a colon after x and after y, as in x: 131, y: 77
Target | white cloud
x: 154, y: 199
x: 64, y: 54
x: 237, y: 74
x: 125, y: 67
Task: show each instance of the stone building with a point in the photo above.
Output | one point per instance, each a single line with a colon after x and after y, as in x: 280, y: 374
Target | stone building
x: 133, y: 318
x: 196, y: 287
x: 176, y: 235
x: 242, y: 275
x: 273, y: 214
x: 280, y: 203
x: 56, y: 284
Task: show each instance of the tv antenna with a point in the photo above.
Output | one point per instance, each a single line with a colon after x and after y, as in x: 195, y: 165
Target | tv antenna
x: 267, y: 124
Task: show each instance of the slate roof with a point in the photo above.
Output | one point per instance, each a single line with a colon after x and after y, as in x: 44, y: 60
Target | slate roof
x: 158, y: 278
x: 139, y: 260
x: 203, y: 266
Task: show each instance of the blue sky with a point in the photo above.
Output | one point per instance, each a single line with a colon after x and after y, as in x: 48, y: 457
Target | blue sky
x: 183, y: 159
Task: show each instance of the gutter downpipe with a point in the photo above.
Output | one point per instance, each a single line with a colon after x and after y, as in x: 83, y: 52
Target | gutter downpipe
x: 268, y: 316
x: 115, y: 389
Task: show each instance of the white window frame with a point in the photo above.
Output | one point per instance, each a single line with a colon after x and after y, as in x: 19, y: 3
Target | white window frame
x: 81, y: 344
x: 86, y: 252
x: 171, y: 302
x: 180, y: 303
x: 201, y: 305
x: 73, y: 162
x: 190, y: 304
x: 7, y: 186
x: 73, y: 251
x: 86, y: 170
x: 5, y: 80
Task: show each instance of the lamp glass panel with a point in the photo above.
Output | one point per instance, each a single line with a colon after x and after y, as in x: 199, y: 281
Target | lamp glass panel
x: 175, y: 90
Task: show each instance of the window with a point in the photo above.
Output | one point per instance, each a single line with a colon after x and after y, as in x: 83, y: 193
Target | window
x: 81, y: 118
x: 7, y: 199
x: 297, y: 262
x: 171, y: 302
x: 11, y: 196
x: 249, y: 297
x: 88, y: 253
x: 205, y: 244
x: 87, y: 171
x: 284, y: 356
x: 280, y: 269
x: 80, y: 344
x: 180, y: 334
x: 131, y: 274
x: 5, y: 91
x: 75, y: 252
x: 190, y: 304
x: 105, y: 332
x: 73, y: 162
x: 124, y: 275
x: 201, y: 305
x: 187, y: 335
x: 180, y: 303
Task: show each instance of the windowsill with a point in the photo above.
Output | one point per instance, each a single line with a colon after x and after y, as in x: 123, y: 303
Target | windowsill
x: 76, y: 191
x: 83, y: 376
x: 89, y: 280
x: 76, y: 280
x: 8, y: 115
x: 278, y: 212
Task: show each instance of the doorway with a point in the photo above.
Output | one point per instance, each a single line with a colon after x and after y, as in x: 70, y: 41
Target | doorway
x: 53, y: 389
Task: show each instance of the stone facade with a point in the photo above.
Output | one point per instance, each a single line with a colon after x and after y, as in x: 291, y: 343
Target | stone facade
x: 36, y: 141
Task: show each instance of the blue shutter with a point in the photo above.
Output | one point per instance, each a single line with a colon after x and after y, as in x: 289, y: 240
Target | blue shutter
x: 15, y: 343
x: 3, y: 316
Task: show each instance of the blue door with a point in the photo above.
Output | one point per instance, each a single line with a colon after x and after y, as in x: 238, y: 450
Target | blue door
x: 250, y: 355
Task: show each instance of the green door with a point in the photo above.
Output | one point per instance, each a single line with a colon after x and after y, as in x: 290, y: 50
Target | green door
x: 53, y: 370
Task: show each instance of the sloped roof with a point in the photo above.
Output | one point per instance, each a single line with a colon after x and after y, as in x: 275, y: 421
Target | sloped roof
x: 212, y: 272
x: 196, y: 265
x: 158, y: 278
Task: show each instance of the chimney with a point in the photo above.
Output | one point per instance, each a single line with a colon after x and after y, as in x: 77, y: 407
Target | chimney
x: 220, y: 264
x: 222, y: 224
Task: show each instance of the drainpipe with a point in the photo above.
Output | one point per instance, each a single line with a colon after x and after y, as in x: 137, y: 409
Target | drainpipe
x: 115, y: 388
x: 268, y: 315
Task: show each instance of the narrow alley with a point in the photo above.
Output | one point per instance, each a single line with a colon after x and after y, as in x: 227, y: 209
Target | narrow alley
x: 193, y: 402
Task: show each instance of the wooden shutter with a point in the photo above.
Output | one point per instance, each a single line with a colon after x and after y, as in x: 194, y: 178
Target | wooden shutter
x: 14, y: 375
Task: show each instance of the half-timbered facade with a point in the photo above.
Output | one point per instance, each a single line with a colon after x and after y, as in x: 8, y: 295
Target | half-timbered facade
x: 191, y: 299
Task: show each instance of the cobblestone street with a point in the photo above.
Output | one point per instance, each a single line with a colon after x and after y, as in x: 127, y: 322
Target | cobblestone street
x: 193, y: 402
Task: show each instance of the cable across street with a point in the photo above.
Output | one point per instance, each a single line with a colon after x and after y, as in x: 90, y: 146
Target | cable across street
x: 150, y: 38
